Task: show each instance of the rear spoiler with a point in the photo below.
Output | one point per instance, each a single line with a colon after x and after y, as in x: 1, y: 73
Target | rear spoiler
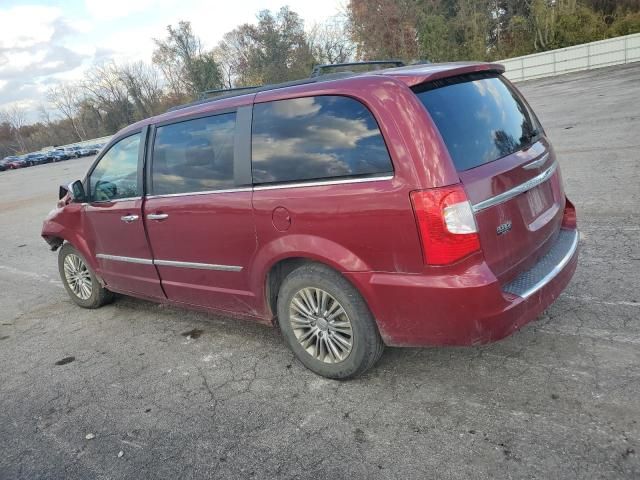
x: 429, y: 73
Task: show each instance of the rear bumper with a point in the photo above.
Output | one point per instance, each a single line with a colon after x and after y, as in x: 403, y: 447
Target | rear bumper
x: 469, y: 307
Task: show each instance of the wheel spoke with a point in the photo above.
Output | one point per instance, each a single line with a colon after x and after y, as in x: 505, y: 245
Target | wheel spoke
x: 298, y: 305
x: 306, y: 336
x: 332, y: 348
x: 300, y: 322
x: 335, y: 314
x: 318, y: 347
x: 342, y: 343
x: 309, y: 296
x: 324, y: 298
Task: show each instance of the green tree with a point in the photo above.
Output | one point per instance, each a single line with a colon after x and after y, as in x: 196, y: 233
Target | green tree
x: 187, y: 68
x: 274, y: 50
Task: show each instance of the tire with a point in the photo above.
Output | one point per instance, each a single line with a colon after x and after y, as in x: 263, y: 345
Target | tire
x: 327, y: 354
x: 87, y: 292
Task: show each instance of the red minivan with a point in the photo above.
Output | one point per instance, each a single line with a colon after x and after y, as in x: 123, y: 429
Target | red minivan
x: 419, y: 205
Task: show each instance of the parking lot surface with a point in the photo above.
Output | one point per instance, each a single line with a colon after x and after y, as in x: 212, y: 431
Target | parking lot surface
x: 168, y: 393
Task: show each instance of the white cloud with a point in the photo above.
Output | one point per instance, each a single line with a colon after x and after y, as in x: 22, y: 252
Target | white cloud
x: 27, y: 25
x: 108, y: 10
x: 41, y: 45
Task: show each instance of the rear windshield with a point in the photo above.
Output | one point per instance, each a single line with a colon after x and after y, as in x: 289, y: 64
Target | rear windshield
x: 480, y: 118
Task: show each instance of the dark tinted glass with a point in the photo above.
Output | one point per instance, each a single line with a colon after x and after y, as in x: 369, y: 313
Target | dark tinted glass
x: 194, y: 155
x: 480, y: 120
x: 314, y: 138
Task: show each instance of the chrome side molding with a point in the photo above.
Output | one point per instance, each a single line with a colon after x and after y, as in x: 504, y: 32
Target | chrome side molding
x: 119, y: 258
x: 321, y: 183
x: 515, y: 191
x: 199, y: 266
x: 170, y: 263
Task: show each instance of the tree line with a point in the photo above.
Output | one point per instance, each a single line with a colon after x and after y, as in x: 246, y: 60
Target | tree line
x: 277, y: 48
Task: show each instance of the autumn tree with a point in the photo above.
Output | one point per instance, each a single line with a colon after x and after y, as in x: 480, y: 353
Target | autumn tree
x: 384, y: 29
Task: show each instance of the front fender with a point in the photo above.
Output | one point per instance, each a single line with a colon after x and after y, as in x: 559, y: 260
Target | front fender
x: 66, y: 224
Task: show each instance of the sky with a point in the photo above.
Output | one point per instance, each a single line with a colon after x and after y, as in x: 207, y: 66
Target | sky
x: 43, y: 43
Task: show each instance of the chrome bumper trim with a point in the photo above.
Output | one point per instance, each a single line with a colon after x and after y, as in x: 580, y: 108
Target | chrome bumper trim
x: 515, y: 191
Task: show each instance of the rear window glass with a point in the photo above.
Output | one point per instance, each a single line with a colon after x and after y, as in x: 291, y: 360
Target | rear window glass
x: 194, y: 155
x: 316, y: 138
x: 480, y: 120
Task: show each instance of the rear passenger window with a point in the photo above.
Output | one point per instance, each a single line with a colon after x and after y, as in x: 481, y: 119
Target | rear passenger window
x: 316, y: 138
x: 194, y: 155
x: 480, y: 118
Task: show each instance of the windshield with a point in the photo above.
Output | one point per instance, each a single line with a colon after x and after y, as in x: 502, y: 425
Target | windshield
x: 480, y: 117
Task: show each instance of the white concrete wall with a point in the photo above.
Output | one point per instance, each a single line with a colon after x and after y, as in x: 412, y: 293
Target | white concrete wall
x: 613, y: 51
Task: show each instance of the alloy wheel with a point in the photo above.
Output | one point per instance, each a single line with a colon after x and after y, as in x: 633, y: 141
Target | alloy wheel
x: 321, y: 325
x: 77, y: 276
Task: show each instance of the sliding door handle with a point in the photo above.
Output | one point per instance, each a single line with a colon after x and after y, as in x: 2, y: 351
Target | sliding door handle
x: 129, y: 218
x: 157, y: 216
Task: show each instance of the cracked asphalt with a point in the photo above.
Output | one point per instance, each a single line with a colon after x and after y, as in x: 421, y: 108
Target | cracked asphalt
x: 191, y: 395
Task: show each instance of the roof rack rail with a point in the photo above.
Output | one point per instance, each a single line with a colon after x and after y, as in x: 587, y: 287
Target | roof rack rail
x: 318, y: 69
x: 219, y: 94
x: 221, y: 91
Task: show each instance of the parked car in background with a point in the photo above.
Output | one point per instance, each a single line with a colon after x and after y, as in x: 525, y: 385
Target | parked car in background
x: 12, y: 162
x: 57, y: 155
x: 86, y: 151
x: 37, y: 159
x: 353, y: 221
x: 68, y: 151
x: 74, y: 151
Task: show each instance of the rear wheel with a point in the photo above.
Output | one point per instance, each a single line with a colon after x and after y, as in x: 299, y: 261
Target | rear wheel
x: 79, y: 280
x: 327, y: 324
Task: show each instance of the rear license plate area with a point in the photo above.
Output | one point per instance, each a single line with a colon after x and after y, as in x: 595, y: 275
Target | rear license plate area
x: 539, y: 199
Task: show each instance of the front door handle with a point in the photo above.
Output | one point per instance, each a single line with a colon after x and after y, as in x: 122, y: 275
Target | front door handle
x: 157, y: 216
x: 129, y: 218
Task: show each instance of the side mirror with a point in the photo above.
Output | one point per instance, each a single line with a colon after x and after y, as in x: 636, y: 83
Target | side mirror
x: 75, y: 191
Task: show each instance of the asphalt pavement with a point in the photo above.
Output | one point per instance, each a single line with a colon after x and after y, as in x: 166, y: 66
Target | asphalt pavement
x: 168, y: 393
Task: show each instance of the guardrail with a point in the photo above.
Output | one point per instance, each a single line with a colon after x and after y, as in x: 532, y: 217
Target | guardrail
x: 603, y: 53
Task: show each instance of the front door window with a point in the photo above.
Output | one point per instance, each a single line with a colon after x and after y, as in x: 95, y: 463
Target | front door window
x: 116, y: 175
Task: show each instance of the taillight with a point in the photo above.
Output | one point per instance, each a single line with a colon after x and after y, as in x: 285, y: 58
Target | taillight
x: 569, y: 219
x: 446, y: 224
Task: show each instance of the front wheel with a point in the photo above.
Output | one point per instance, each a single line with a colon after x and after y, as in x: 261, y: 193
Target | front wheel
x: 327, y: 323
x: 79, y: 280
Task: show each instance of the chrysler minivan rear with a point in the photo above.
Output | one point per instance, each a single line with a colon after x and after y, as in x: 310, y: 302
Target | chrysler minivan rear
x: 501, y: 244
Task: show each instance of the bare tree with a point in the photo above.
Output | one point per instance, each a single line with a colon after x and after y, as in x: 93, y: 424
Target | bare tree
x: 330, y: 42
x: 66, y: 98
x: 108, y: 96
x: 16, y: 118
x: 233, y: 54
x: 142, y: 83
